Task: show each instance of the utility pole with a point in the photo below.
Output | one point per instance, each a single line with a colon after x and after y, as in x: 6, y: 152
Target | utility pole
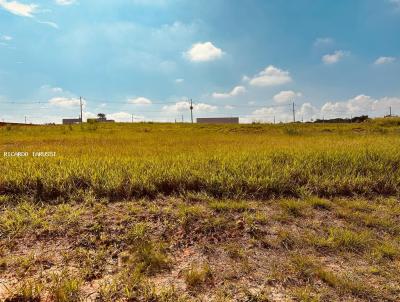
x: 132, y: 118
x: 80, y: 102
x: 294, y: 114
x: 390, y: 111
x: 182, y: 118
x: 191, y: 110
x: 274, y: 119
x: 25, y: 119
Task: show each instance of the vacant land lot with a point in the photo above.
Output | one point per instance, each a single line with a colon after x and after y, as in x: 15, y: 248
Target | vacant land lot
x: 163, y: 212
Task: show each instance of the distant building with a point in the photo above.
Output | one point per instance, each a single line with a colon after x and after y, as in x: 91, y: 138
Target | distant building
x: 71, y: 121
x: 218, y: 120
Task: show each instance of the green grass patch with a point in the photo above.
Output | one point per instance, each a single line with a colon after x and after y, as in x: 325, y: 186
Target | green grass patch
x: 345, y: 239
x: 293, y: 207
x: 319, y: 203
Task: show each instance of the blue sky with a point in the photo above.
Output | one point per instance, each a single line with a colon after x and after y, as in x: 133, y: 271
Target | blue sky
x: 247, y: 58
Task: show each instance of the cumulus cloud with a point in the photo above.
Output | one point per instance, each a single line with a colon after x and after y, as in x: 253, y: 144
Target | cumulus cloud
x: 179, y: 81
x: 384, y: 60
x: 24, y: 10
x: 65, y: 102
x: 359, y: 105
x: 234, y: 92
x: 307, y: 111
x: 184, y: 106
x: 286, y: 96
x: 18, y: 8
x: 203, y: 52
x: 266, y: 111
x: 284, y: 114
x: 271, y: 76
x: 140, y: 101
x: 335, y: 57
x: 65, y: 2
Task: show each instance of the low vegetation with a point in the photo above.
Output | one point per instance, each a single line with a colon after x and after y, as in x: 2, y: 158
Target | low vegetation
x: 232, y: 161
x: 157, y: 212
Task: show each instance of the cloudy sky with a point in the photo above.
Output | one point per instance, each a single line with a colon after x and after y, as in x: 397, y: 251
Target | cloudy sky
x: 247, y: 58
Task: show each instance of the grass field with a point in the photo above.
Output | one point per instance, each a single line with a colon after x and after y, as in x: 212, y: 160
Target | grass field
x: 179, y: 212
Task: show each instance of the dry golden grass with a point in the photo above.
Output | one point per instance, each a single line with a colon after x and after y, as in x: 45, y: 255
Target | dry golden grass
x: 249, y: 161
x: 160, y: 212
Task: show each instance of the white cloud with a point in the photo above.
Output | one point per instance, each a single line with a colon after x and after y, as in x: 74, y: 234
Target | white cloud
x: 286, y: 96
x: 323, y: 41
x: 184, y: 106
x: 48, y: 90
x: 179, y: 81
x: 283, y: 114
x: 359, y: 105
x: 57, y: 89
x: 203, y: 52
x: 24, y: 10
x: 235, y: 92
x: 19, y: 9
x: 5, y: 38
x: 202, y: 107
x: 140, y: 101
x: 229, y: 107
x: 65, y: 102
x: 307, y: 112
x: 266, y: 111
x: 65, y: 2
x: 124, y: 117
x: 335, y: 57
x: 121, y: 117
x: 245, y: 78
x: 271, y: 76
x: 52, y: 24
x: 384, y: 60
x: 51, y: 89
